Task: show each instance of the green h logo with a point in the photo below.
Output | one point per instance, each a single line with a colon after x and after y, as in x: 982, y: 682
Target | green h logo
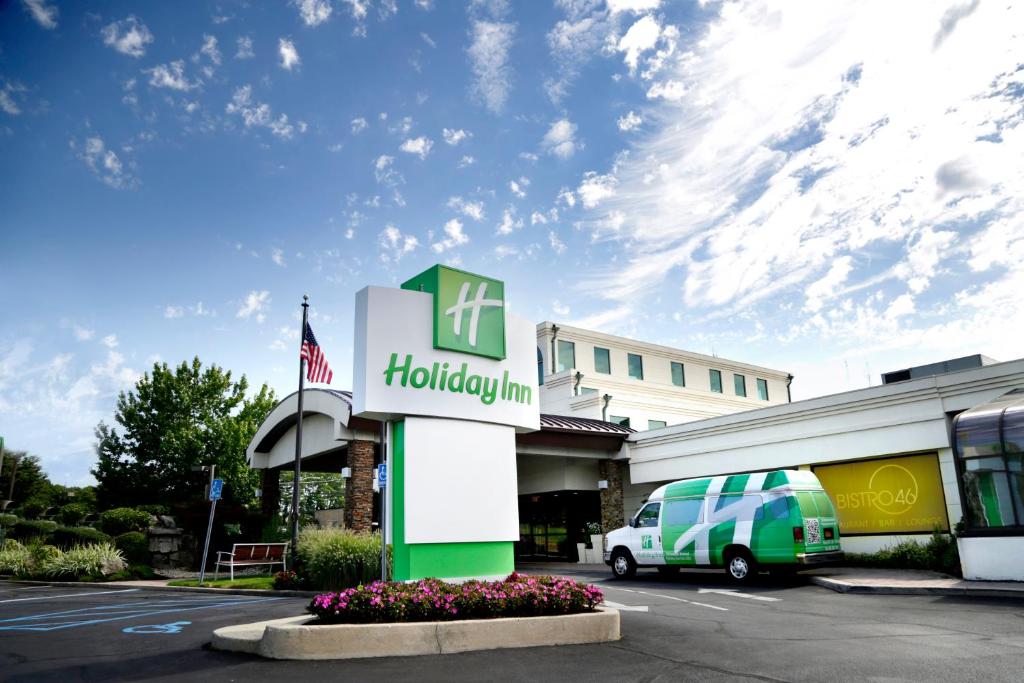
x: 469, y: 310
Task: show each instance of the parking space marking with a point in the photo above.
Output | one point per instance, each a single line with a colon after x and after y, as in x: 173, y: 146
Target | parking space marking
x: 173, y: 627
x: 670, y: 597
x: 624, y: 608
x: 87, y: 616
x: 736, y: 594
x: 71, y: 595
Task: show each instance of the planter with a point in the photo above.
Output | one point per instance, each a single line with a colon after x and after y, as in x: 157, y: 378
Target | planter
x: 295, y: 638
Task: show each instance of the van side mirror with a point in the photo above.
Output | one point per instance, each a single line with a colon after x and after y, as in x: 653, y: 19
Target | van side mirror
x: 632, y: 522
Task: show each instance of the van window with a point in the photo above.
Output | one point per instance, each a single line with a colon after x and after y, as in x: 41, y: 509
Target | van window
x: 683, y: 512
x: 778, y: 508
x: 723, y: 502
x: 649, y: 515
x: 825, y: 508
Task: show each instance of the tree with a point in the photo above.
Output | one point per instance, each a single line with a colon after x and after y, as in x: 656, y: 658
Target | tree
x: 30, y: 483
x: 172, y: 421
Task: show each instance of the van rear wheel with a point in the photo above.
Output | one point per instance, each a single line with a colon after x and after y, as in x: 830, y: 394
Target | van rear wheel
x: 623, y: 566
x: 740, y: 566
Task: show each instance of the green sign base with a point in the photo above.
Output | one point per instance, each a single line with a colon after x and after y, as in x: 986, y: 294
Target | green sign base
x: 436, y: 560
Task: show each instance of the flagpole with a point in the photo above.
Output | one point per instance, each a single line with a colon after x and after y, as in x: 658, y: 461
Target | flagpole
x: 298, y: 436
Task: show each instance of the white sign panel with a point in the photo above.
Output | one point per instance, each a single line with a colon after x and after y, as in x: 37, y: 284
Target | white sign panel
x: 398, y: 372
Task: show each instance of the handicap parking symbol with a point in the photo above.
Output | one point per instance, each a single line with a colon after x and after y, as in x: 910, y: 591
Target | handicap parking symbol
x: 173, y: 627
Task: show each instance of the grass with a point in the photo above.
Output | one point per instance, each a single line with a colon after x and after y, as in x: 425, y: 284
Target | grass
x: 257, y: 582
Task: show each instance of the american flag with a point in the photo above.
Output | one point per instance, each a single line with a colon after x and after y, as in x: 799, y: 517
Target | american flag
x: 317, y: 369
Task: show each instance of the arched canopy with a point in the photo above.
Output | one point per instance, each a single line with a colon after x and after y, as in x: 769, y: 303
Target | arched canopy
x: 327, y: 427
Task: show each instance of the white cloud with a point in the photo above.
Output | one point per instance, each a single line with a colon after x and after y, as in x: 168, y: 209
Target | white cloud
x: 277, y: 256
x: 559, y: 308
x: 518, y: 187
x: 289, y: 55
x: 509, y: 222
x: 394, y: 245
x: 474, y: 210
x: 557, y: 245
x: 635, y: 6
x: 171, y: 76
x: 420, y: 146
x: 110, y: 341
x: 259, y: 114
x: 104, y: 163
x: 44, y: 15
x: 489, y: 52
x: 172, y: 312
x: 567, y: 197
x: 454, y: 137
x: 313, y: 12
x: 814, y: 160
x: 384, y: 172
x: 454, y: 237
x: 560, y: 139
x: 82, y: 333
x: 358, y: 125
x: 128, y: 36
x: 254, y: 304
x: 631, y: 121
x: 245, y: 50
x: 595, y: 188
x: 503, y: 251
x: 642, y: 36
x: 466, y: 160
x: 210, y: 49
x: 428, y: 40
x: 537, y: 217
x: 7, y: 102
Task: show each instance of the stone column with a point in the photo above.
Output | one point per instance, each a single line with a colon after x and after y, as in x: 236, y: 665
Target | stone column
x: 359, y: 487
x: 271, y: 486
x: 612, y: 513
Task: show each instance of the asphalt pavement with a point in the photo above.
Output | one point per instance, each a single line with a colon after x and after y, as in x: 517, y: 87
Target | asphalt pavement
x: 691, y: 627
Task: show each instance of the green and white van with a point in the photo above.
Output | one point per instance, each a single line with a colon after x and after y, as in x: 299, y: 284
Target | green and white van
x: 743, y: 522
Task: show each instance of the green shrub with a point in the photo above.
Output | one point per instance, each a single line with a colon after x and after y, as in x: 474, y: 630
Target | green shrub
x: 275, y: 530
x: 156, y: 509
x: 32, y: 509
x: 67, y: 537
x: 27, y: 529
x: 7, y: 521
x: 333, y: 559
x: 135, y: 571
x: 72, y: 514
x: 84, y: 561
x: 14, y: 558
x: 940, y: 554
x: 122, y: 520
x: 134, y: 545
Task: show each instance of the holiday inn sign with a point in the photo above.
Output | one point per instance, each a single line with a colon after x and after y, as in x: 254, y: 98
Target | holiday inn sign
x: 412, y: 359
x: 453, y: 374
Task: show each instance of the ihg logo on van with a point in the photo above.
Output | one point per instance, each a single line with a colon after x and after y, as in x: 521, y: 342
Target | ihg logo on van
x: 469, y: 310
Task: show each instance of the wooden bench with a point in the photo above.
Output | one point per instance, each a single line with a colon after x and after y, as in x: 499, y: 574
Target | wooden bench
x: 250, y: 555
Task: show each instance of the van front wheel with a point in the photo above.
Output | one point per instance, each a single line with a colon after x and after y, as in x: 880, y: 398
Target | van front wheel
x: 740, y: 566
x: 623, y: 566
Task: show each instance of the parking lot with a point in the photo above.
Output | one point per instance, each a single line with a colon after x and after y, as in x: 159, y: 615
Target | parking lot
x: 692, y: 627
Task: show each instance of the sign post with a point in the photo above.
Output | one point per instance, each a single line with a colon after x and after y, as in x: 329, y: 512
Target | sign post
x: 215, y: 490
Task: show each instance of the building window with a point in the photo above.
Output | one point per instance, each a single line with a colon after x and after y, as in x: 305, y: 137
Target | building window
x: 540, y: 367
x: 716, y: 381
x: 739, y: 383
x: 762, y: 389
x: 636, y: 365
x: 656, y: 424
x: 678, y: 374
x: 988, y: 441
x: 615, y: 419
x: 566, y: 355
x: 587, y: 390
x: 602, y: 361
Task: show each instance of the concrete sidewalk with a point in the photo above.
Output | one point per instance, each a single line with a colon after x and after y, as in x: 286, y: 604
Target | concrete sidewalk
x: 840, y: 579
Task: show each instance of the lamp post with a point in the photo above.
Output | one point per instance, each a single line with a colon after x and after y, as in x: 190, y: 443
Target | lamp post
x: 14, y: 473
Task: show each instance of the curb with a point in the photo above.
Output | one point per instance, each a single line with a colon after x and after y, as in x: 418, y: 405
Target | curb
x: 862, y: 589
x: 171, y: 589
x: 294, y: 638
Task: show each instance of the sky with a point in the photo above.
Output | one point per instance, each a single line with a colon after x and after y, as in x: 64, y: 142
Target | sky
x: 832, y: 189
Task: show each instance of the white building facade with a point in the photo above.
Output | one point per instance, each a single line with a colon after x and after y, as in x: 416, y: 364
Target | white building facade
x: 644, y: 386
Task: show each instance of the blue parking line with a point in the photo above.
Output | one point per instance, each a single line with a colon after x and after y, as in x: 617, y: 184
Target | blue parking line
x: 53, y: 621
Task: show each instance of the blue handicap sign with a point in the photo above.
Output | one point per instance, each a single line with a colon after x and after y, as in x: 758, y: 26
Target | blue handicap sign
x: 216, y: 488
x: 173, y: 627
x: 382, y: 474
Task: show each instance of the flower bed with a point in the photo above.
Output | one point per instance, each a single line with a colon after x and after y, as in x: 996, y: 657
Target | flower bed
x: 435, y: 600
